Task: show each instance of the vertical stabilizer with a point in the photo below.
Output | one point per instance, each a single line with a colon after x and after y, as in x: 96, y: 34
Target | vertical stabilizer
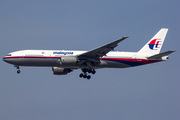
x: 155, y: 44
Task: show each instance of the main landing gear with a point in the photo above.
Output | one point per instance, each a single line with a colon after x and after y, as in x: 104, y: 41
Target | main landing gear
x: 84, y: 74
x: 17, y: 67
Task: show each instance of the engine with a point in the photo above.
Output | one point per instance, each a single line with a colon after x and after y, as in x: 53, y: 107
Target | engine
x: 68, y: 60
x: 60, y: 71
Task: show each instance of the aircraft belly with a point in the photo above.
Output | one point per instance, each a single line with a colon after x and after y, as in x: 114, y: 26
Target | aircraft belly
x: 113, y: 64
x: 41, y: 62
x: 34, y: 62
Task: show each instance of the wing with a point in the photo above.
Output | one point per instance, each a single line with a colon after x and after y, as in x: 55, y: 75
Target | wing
x: 94, y: 54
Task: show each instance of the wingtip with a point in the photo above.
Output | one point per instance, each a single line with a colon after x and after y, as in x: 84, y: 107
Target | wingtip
x: 173, y: 50
x: 125, y: 37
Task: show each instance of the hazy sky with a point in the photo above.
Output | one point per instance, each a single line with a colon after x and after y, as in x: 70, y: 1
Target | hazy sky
x: 149, y: 92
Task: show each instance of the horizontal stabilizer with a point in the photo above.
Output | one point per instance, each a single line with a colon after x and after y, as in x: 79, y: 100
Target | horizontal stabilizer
x: 161, y: 54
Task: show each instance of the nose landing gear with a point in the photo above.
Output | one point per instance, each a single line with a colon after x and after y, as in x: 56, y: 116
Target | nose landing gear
x: 17, y: 67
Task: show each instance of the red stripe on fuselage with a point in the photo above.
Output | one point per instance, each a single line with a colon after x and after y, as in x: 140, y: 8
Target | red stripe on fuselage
x: 142, y: 61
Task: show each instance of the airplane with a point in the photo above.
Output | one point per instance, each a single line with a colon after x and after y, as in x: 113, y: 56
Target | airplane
x: 65, y: 61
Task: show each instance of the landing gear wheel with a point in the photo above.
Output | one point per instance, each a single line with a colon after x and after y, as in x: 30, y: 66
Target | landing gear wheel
x: 85, y: 76
x: 88, y: 77
x: 81, y: 75
x: 93, y: 71
x: 89, y: 71
x: 18, y: 71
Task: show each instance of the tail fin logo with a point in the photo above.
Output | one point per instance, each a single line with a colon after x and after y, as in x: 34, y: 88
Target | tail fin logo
x: 154, y: 44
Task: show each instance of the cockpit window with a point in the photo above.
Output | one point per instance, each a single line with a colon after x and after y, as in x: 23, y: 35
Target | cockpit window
x: 8, y: 55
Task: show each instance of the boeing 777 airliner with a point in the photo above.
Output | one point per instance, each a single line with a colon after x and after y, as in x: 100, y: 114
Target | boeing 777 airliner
x: 65, y: 61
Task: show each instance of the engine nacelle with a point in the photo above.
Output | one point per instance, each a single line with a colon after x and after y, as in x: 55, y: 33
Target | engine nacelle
x: 68, y: 60
x: 60, y: 71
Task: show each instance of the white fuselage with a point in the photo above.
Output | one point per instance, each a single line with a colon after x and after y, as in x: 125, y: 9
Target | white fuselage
x: 53, y: 58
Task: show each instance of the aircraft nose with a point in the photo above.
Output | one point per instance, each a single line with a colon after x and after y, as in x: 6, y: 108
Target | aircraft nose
x: 8, y: 60
x: 4, y: 59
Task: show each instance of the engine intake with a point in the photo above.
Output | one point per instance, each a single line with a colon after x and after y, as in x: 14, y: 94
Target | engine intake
x: 60, y: 71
